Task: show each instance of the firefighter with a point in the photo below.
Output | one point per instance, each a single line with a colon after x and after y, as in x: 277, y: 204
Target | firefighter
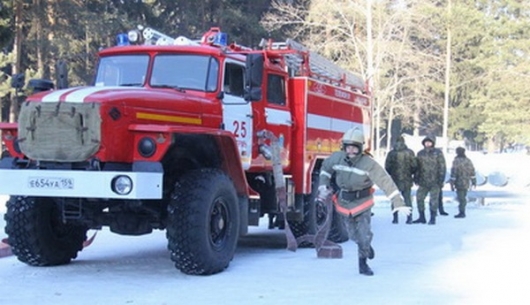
x: 401, y: 164
x: 462, y: 173
x: 355, y: 174
x: 430, y: 178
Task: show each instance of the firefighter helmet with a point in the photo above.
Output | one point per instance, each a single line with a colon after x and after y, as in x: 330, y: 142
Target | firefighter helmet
x: 353, y: 136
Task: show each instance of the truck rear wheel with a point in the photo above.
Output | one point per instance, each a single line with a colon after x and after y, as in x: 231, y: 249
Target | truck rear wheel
x: 203, y: 222
x: 315, y: 213
x: 37, y: 234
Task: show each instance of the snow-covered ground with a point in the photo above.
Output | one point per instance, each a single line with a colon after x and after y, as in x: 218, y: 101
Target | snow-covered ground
x: 482, y: 259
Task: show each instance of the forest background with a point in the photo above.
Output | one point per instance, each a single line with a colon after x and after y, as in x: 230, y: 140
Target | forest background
x: 451, y: 68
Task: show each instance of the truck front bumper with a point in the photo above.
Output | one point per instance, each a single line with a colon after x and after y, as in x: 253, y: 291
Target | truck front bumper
x: 78, y: 184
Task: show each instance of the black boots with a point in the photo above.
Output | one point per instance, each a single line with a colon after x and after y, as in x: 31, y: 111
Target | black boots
x: 432, y: 220
x: 363, y: 267
x: 421, y: 219
x: 371, y: 255
x: 461, y: 215
x: 409, y: 219
x: 441, y: 209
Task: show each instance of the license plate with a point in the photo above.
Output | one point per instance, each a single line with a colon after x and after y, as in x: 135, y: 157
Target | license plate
x: 50, y: 183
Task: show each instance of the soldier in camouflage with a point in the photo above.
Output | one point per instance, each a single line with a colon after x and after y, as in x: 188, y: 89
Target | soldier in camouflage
x: 355, y: 174
x: 430, y: 177
x: 401, y: 164
x: 462, y: 175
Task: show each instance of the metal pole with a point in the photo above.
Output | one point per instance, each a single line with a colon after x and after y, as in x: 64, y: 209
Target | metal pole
x: 370, y: 76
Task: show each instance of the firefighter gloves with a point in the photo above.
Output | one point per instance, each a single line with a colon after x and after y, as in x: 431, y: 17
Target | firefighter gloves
x: 404, y: 210
x: 323, y: 193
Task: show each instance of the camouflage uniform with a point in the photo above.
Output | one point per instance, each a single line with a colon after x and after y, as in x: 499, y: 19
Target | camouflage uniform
x: 401, y: 164
x: 462, y: 174
x: 430, y: 177
x: 355, y: 178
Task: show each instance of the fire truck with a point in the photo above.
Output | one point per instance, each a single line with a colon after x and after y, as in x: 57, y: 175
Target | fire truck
x: 200, y: 138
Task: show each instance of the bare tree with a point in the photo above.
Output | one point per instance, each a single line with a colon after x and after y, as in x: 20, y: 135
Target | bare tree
x: 385, y: 42
x: 17, y: 51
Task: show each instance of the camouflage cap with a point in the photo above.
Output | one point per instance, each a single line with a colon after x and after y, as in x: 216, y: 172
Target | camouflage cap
x: 429, y: 139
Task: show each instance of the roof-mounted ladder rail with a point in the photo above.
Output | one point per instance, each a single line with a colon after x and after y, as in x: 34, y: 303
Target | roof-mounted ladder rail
x: 319, y: 66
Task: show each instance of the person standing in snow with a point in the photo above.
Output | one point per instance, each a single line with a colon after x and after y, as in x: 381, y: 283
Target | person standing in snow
x: 401, y: 164
x: 430, y: 177
x: 441, y: 209
x: 462, y: 175
x: 355, y: 174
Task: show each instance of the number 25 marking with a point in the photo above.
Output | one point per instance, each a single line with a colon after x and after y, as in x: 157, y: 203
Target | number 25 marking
x: 240, y: 129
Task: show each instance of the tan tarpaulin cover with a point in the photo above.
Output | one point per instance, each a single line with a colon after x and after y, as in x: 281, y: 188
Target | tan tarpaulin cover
x: 61, y: 132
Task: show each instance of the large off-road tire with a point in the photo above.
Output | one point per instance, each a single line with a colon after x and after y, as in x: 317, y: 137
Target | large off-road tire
x: 37, y: 234
x: 203, y: 222
x: 315, y: 213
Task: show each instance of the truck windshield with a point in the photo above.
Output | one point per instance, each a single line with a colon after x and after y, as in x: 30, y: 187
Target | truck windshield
x: 122, y: 70
x: 185, y: 71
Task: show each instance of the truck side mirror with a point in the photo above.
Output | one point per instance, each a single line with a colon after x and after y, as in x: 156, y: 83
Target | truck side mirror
x: 61, y: 71
x: 253, y: 77
x: 18, y: 80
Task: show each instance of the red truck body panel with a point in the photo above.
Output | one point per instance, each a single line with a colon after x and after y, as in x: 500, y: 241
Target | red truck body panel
x: 323, y: 113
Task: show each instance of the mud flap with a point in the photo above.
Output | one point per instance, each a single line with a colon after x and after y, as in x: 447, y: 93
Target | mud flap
x: 89, y: 241
x: 5, y: 249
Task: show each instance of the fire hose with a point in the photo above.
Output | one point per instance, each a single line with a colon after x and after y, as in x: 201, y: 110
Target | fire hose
x: 324, y: 247
x: 279, y: 183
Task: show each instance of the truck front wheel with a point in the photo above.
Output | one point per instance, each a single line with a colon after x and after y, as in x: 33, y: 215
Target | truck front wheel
x: 203, y: 222
x: 38, y: 236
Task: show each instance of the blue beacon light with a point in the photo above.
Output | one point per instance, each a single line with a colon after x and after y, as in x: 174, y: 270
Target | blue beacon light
x: 221, y: 39
x: 122, y: 40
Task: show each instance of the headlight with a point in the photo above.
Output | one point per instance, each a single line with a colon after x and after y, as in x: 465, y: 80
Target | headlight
x: 122, y: 185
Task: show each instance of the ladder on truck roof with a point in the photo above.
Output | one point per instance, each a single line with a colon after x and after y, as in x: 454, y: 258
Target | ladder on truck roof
x: 299, y: 62
x: 318, y: 65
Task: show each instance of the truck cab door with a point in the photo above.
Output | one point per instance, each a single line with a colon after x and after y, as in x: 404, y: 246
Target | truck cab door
x: 277, y: 116
x: 237, y: 112
x: 271, y: 109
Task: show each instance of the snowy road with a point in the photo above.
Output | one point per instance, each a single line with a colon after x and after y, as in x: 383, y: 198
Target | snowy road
x: 477, y: 260
x: 483, y: 259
